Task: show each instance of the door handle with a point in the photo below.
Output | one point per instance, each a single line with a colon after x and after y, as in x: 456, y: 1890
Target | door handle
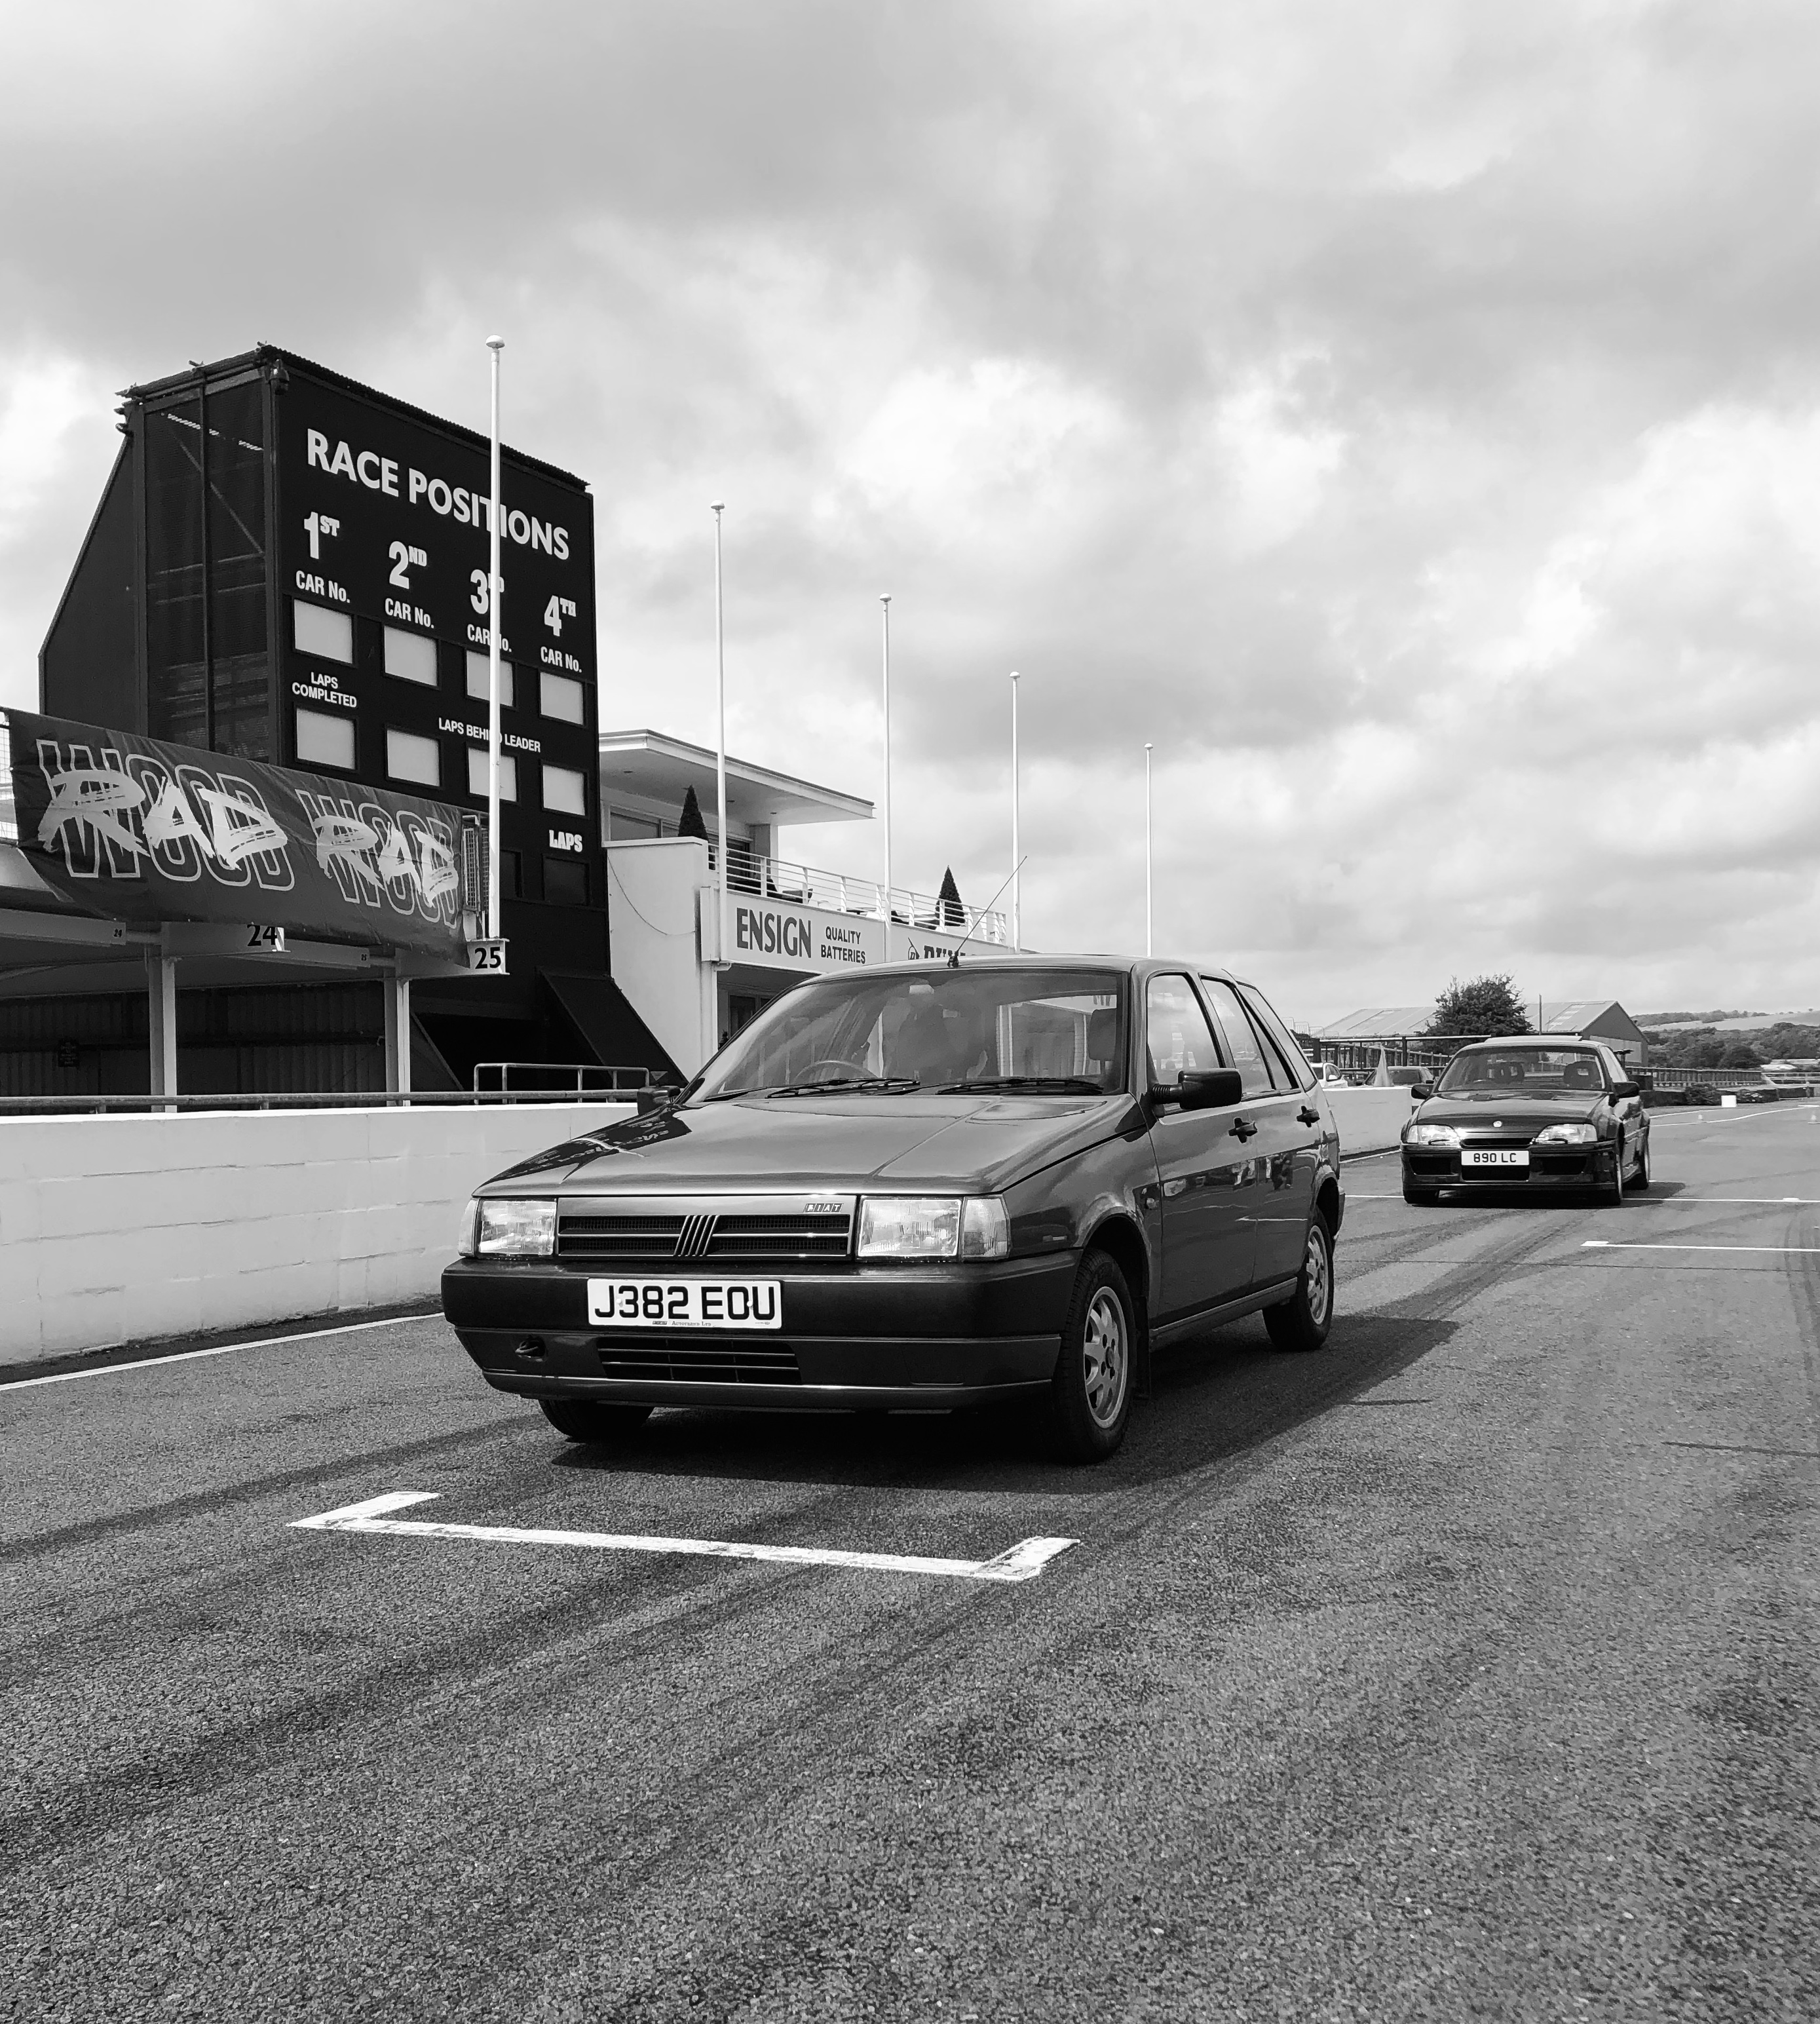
x: 1241, y: 1131
x: 1306, y: 1115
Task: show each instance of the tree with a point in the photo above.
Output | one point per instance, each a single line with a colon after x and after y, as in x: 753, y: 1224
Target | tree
x: 1484, y: 1005
x: 1740, y: 1054
x: 949, y: 911
x: 690, y: 822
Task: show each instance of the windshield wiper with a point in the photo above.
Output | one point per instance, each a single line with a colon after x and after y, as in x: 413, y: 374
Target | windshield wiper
x: 1060, y: 1085
x: 846, y: 1085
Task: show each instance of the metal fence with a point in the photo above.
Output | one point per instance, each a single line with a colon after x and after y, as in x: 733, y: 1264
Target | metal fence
x: 557, y: 1078
x: 838, y: 892
x: 84, y: 1106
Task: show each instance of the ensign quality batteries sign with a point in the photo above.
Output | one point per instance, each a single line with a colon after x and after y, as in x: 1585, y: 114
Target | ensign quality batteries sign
x: 138, y: 830
x: 772, y: 935
x: 388, y: 516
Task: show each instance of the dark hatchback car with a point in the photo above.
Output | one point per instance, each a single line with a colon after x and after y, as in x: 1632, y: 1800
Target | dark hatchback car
x: 921, y: 1186
x: 1532, y: 1113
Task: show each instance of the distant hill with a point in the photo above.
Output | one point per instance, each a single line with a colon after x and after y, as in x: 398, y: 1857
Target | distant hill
x: 1690, y: 1018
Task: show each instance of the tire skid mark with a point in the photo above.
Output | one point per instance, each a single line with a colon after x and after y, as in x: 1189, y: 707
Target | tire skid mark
x: 225, y: 1497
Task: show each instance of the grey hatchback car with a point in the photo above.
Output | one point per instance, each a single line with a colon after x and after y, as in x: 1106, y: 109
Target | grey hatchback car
x: 922, y: 1186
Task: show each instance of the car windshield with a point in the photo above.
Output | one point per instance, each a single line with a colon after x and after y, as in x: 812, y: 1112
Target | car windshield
x: 1523, y: 1072
x: 1059, y: 1032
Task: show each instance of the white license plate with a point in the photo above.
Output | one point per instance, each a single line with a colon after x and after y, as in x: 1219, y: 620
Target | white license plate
x: 685, y: 1303
x: 1492, y: 1156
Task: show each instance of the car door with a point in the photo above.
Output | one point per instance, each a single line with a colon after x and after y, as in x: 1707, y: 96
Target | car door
x: 1632, y: 1121
x: 1207, y: 1235
x: 1285, y: 1150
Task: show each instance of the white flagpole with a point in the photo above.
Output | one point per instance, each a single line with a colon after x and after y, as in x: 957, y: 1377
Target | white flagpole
x: 1017, y: 857
x: 720, y: 751
x: 1149, y: 947
x: 885, y: 603
x: 495, y: 588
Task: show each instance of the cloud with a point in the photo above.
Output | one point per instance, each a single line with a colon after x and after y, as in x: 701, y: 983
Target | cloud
x: 1406, y: 423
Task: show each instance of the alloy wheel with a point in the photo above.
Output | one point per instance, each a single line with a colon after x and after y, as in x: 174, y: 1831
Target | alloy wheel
x: 1319, y: 1275
x: 1105, y: 1349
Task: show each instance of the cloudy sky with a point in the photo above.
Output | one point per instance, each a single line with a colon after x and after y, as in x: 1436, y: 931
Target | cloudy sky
x: 1407, y: 418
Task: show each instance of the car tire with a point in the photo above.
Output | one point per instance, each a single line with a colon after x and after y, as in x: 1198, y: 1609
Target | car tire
x: 594, y: 1422
x: 1640, y: 1180
x: 1422, y: 1197
x: 1302, y: 1321
x: 1090, y: 1393
x: 1611, y: 1193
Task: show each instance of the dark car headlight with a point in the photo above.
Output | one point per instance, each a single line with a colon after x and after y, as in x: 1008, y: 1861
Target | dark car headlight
x: 508, y: 1228
x: 933, y: 1226
x: 1437, y: 1138
x: 1566, y: 1134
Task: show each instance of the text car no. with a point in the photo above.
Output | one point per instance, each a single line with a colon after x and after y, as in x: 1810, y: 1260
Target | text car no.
x: 1532, y: 1113
x: 924, y: 1186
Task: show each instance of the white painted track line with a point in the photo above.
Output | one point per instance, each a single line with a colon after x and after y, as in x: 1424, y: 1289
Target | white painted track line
x: 220, y: 1349
x: 1780, y: 1250
x: 1021, y: 1563
x: 1653, y: 1202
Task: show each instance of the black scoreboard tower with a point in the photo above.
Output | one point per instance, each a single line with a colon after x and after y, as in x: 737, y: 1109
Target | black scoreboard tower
x: 289, y: 566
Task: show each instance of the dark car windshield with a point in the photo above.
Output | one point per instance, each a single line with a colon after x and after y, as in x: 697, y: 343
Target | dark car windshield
x: 1523, y: 1072
x: 1052, y: 1031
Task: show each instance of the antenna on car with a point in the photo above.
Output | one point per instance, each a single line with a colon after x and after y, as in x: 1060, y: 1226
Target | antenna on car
x: 954, y: 953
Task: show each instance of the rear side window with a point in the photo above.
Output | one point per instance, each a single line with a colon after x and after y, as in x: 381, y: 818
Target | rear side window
x: 1248, y: 1051
x: 1283, y: 1040
x: 1177, y: 1032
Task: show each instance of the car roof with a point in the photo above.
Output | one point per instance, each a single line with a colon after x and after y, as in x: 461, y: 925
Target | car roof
x: 1006, y: 959
x: 1529, y: 1041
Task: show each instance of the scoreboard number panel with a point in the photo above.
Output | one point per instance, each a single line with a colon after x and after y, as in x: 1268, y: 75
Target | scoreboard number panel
x: 387, y: 517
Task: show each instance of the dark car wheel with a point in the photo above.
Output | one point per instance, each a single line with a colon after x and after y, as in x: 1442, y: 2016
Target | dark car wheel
x: 1640, y: 1179
x: 1422, y: 1197
x: 1303, y: 1320
x: 597, y: 1422
x: 1090, y: 1394
x: 1612, y: 1193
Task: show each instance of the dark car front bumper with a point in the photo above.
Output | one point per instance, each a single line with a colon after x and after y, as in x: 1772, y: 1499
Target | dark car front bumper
x: 1549, y: 1168
x: 906, y: 1336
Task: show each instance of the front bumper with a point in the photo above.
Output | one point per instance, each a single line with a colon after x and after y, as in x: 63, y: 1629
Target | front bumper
x: 921, y: 1335
x: 1549, y: 1168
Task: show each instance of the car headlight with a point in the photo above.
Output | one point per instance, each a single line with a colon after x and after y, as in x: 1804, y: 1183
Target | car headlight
x: 1566, y: 1134
x: 933, y: 1227
x: 508, y: 1228
x: 1442, y: 1136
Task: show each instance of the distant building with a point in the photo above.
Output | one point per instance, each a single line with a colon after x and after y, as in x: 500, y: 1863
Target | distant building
x: 1379, y: 1022
x: 1588, y: 1019
x: 1599, y: 1019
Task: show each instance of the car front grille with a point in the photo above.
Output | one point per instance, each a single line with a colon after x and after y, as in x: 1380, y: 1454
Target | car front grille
x: 706, y: 1363
x: 592, y: 1231
x: 618, y: 1235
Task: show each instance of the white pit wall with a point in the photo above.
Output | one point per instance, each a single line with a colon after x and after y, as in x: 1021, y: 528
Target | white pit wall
x: 1371, y: 1120
x: 130, y: 1228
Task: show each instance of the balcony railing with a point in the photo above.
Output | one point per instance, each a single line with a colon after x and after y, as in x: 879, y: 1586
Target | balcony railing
x: 837, y: 892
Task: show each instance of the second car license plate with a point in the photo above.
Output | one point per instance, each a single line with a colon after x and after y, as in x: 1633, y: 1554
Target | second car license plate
x: 679, y: 1304
x: 1494, y: 1156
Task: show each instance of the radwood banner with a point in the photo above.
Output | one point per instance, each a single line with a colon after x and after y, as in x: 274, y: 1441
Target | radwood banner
x: 136, y: 830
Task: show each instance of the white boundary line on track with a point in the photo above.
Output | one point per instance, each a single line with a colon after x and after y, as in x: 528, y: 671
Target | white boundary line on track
x: 1021, y: 1563
x: 1661, y: 1201
x: 1780, y: 1250
x: 220, y: 1349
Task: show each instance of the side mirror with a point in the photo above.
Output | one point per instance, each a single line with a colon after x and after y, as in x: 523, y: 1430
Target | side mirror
x: 1213, y: 1089
x: 1419, y: 1092
x: 1619, y: 1090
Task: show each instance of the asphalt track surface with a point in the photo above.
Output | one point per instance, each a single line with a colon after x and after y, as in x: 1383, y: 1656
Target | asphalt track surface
x: 1466, y: 1669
